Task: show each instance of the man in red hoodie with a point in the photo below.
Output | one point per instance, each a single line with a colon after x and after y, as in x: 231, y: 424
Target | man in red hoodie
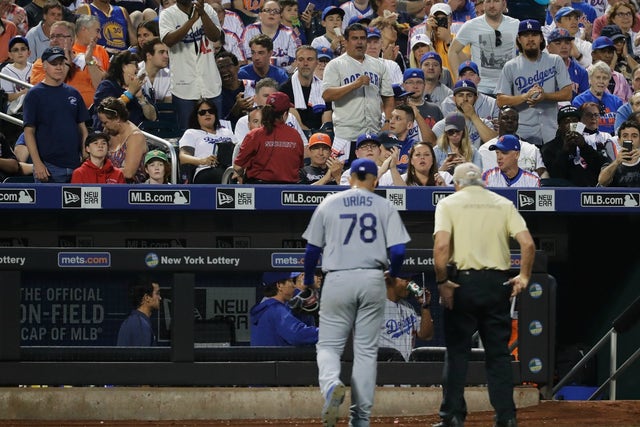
x: 97, y: 169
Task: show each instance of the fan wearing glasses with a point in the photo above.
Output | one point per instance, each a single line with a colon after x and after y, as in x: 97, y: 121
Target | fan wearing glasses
x: 206, y: 144
x: 534, y: 82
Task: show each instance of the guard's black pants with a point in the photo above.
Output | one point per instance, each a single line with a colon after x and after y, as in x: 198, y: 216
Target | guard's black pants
x: 480, y: 303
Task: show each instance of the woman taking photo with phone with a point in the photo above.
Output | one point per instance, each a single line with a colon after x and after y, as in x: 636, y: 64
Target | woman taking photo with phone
x: 453, y: 146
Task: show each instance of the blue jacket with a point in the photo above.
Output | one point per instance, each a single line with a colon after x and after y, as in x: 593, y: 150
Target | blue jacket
x: 273, y: 324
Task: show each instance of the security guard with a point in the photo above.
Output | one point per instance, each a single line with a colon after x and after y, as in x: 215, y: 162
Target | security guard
x: 472, y: 230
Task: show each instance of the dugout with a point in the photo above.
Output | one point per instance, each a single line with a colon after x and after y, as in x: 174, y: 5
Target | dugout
x: 572, y: 226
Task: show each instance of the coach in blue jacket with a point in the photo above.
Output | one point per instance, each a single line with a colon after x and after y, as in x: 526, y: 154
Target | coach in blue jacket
x: 272, y: 322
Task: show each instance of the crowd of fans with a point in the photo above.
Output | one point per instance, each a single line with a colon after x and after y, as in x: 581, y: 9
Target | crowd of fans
x: 293, y: 91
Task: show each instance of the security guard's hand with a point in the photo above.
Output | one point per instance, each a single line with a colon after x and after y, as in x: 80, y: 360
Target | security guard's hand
x: 517, y: 284
x: 447, y: 290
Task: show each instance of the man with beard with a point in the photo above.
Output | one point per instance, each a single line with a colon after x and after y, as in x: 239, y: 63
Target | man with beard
x: 530, y: 158
x: 359, y: 88
x: 189, y: 30
x: 530, y: 83
x: 305, y: 90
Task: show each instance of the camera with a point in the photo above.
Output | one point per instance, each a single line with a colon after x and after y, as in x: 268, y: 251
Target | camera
x: 442, y: 21
x: 414, y: 289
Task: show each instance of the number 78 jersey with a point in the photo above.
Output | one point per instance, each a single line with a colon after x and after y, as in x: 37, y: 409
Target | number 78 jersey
x: 355, y: 227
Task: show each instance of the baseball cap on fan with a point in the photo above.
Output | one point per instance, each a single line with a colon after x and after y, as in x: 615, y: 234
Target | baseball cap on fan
x: 440, y: 7
x: 272, y: 277
x: 364, y: 166
x: 52, y: 53
x: 319, y: 139
x: 279, y: 101
x: 420, y: 39
x: 506, y: 143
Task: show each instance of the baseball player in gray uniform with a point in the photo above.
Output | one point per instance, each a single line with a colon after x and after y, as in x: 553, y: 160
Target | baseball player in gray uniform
x: 353, y: 230
x: 356, y: 83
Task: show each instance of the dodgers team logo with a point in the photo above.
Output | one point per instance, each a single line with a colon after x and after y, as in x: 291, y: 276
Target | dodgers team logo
x: 235, y: 198
x: 81, y: 197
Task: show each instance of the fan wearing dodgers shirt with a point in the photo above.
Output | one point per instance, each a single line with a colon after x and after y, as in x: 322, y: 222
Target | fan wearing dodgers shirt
x: 534, y: 82
x: 508, y: 173
x: 360, y: 89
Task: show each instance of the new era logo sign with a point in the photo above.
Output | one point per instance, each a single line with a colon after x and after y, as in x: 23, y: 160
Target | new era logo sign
x: 537, y: 200
x: 81, y: 197
x: 70, y: 199
x: 235, y: 198
x: 224, y: 198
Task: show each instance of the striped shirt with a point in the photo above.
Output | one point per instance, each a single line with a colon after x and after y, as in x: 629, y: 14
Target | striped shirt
x: 495, y: 178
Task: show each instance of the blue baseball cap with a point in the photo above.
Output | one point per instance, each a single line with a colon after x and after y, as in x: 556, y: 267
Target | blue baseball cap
x: 332, y: 10
x: 431, y: 55
x: 399, y: 92
x: 411, y: 73
x: 602, y: 42
x: 373, y: 32
x: 359, y: 19
x: 565, y: 11
x: 612, y: 31
x: 529, y: 26
x: 367, y: 137
x: 559, y: 34
x: 52, y: 53
x: 468, y: 65
x: 506, y: 143
x: 366, y: 166
x: 325, y: 52
x: 388, y: 139
x: 462, y: 85
x: 271, y: 277
x: 18, y: 39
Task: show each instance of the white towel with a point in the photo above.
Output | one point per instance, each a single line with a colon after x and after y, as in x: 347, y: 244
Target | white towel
x: 315, y: 96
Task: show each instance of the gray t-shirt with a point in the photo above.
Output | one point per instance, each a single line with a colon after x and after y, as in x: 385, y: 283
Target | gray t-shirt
x: 537, y: 124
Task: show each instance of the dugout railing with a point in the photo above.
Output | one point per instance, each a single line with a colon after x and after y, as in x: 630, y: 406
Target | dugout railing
x: 621, y: 325
x: 184, y: 364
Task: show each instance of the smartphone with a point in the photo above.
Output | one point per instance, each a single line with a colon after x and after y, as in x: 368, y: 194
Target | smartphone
x: 627, y: 145
x: 310, y: 7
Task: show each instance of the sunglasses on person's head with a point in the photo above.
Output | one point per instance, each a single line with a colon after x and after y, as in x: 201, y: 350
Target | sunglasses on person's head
x: 108, y: 110
x: 206, y: 111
